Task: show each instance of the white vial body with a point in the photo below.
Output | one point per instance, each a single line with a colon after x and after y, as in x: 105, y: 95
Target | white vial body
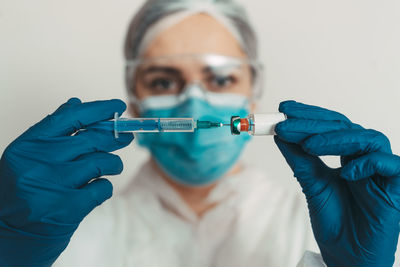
x: 264, y: 124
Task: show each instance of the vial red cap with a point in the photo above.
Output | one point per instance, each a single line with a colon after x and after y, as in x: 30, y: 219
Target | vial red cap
x: 244, y: 125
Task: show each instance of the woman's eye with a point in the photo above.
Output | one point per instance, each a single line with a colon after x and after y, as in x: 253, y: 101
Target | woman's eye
x: 162, y: 84
x: 222, y: 81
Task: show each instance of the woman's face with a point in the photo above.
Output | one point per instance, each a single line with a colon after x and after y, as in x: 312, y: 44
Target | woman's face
x: 196, y: 35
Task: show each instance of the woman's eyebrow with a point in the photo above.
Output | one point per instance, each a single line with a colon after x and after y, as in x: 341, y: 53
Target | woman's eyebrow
x: 168, y: 70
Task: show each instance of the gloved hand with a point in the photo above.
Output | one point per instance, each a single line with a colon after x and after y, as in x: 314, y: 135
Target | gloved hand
x: 354, y: 209
x: 46, y: 185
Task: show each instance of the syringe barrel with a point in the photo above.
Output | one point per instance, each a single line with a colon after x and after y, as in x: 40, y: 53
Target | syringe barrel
x: 145, y: 125
x: 177, y: 125
x: 153, y: 125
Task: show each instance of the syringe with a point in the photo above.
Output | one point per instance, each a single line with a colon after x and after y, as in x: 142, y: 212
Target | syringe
x: 152, y: 125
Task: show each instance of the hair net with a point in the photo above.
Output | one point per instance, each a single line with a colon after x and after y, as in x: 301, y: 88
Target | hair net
x: 154, y: 10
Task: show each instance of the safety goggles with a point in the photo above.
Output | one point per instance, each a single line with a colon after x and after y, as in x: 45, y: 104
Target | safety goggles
x: 171, y: 75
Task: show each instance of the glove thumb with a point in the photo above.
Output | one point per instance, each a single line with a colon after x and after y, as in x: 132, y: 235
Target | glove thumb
x: 310, y: 171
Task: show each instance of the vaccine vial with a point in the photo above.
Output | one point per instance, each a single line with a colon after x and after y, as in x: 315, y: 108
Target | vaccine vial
x: 256, y: 124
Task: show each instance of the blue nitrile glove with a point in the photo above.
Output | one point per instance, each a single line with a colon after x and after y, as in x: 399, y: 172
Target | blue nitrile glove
x: 45, y: 180
x: 355, y: 209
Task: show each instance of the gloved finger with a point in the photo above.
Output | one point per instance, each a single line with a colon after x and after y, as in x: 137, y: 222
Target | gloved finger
x: 347, y: 142
x: 67, y: 148
x: 94, y: 194
x: 90, y: 166
x: 73, y: 101
x: 92, y: 140
x: 72, y: 116
x: 380, y: 163
x: 294, y: 109
x: 297, y: 130
x: 309, y: 170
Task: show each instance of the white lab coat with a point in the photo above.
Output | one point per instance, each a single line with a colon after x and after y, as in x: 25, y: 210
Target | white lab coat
x: 258, y: 222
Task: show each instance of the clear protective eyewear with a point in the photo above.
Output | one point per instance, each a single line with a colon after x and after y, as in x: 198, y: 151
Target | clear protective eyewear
x: 171, y: 75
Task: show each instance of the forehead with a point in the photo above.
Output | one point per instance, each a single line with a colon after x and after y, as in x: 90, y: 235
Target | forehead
x: 196, y: 34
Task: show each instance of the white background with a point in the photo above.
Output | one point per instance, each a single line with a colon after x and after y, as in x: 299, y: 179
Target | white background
x: 343, y: 55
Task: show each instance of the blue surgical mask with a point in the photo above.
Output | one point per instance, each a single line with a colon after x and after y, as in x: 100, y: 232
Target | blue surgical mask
x: 198, y: 158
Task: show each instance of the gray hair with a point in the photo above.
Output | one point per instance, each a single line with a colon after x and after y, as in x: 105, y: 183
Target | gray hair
x: 154, y: 10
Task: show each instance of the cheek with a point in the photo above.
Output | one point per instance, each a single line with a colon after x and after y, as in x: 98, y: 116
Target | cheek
x: 249, y: 88
x: 245, y: 87
x: 253, y: 107
x: 246, y: 84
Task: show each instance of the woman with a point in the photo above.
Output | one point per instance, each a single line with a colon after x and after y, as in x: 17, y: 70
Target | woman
x: 194, y: 203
